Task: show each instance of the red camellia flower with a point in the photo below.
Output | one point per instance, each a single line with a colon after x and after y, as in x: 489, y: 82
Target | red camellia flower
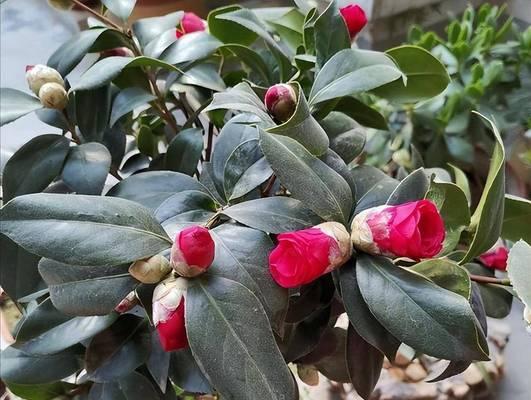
x: 190, y: 23
x: 496, y: 256
x: 414, y: 230
x: 281, y: 101
x: 193, y: 251
x: 355, y: 19
x: 303, y: 256
x: 168, y: 313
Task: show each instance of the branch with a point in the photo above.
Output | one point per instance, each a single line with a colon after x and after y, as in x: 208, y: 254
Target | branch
x: 488, y: 279
x: 96, y: 14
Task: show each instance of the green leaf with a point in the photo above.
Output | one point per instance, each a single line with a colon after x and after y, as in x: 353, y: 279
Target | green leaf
x: 34, y: 166
x: 29, y: 369
x: 240, y: 98
x: 426, y: 76
x: 487, y: 219
x: 184, y: 151
x: 453, y: 206
x: 112, y: 231
x: 462, y: 181
x: 185, y: 373
x: 426, y: 317
x: 516, y: 217
x: 81, y: 290
x: 128, y: 100
x: 229, y: 31
x: 364, y: 363
x: 245, y: 169
x: 445, y: 274
x: 93, y: 108
x: 303, y: 127
x: 47, y: 391
x: 190, y: 47
x: 205, y: 76
x: 223, y: 308
x: 413, y: 187
x: 373, y: 187
x: 246, y: 262
x: 252, y: 59
x: 46, y: 331
x: 86, y: 168
x: 273, y: 214
x: 362, y: 113
x: 133, y: 386
x: 158, y: 363
x: 347, y: 139
x: 104, y: 71
x: 518, y: 269
x: 121, y: 8
x: 352, y: 71
x: 359, y: 315
x: 15, y: 104
x: 148, y: 29
x: 330, y: 34
x: 18, y: 269
x: 118, y: 350
x: 151, y: 188
x: 309, y: 179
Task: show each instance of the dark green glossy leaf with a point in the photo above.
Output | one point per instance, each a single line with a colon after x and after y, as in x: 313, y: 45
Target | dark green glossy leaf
x: 364, y: 363
x: 93, y: 108
x: 347, y: 139
x: 148, y: 29
x: 334, y: 365
x: 516, y: 217
x: 362, y: 113
x: 359, y: 315
x: 86, y: 168
x: 133, y: 386
x: 229, y: 31
x: 426, y: 76
x: 190, y: 47
x: 19, y: 367
x: 413, y: 187
x: 47, y: 331
x: 34, y: 166
x: 158, y: 363
x: 40, y: 392
x: 113, y: 231
x: 118, y: 350
x: 352, y: 71
x: 246, y: 262
x: 121, y: 8
x: 252, y: 59
x: 273, y: 214
x: 81, y: 290
x: 185, y: 373
x: 184, y: 151
x: 373, y: 187
x: 303, y: 127
x: 446, y: 274
x: 223, y: 308
x: 310, y: 180
x: 204, y: 75
x: 128, y: 100
x: 16, y: 104
x: 487, y: 219
x: 426, y: 317
x: 330, y: 34
x: 152, y: 188
x: 332, y: 159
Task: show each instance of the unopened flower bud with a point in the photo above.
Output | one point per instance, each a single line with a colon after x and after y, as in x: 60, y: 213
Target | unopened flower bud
x: 53, y: 95
x: 496, y: 256
x: 168, y: 313
x: 117, y: 52
x: 303, y: 256
x: 414, y: 230
x: 190, y: 23
x: 127, y: 303
x: 281, y: 101
x: 152, y: 270
x: 355, y: 19
x: 38, y: 75
x: 61, y: 4
x: 193, y: 251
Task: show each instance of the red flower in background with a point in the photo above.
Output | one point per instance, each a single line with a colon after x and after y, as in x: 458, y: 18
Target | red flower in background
x: 190, y: 23
x: 496, y: 256
x: 355, y: 19
x: 414, y: 230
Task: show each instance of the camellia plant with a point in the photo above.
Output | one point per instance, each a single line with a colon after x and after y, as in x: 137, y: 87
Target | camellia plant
x: 206, y: 216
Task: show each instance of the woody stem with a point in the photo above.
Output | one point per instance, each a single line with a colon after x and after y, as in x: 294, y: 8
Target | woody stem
x: 96, y: 14
x: 488, y: 279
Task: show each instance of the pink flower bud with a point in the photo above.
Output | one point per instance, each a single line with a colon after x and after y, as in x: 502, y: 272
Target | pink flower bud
x: 414, y: 230
x: 281, y: 101
x: 496, y: 256
x: 38, y: 75
x: 53, y: 95
x: 152, y: 270
x: 193, y: 251
x: 190, y: 23
x: 117, y: 52
x: 168, y: 313
x: 355, y: 19
x: 303, y: 256
x: 127, y: 303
